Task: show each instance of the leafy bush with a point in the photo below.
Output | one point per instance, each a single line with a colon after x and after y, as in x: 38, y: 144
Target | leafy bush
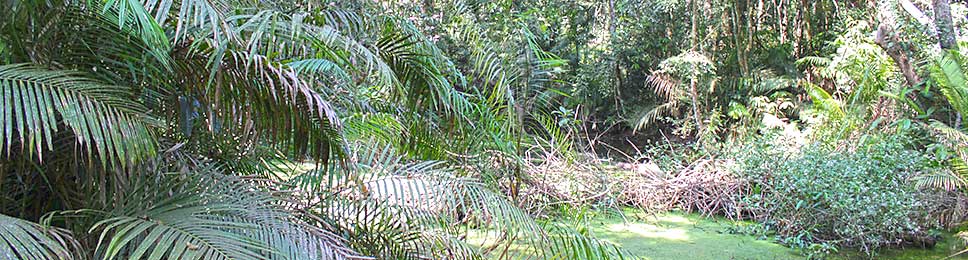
x: 816, y: 197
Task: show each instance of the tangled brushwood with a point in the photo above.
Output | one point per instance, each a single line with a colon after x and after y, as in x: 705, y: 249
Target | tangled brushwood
x: 706, y: 186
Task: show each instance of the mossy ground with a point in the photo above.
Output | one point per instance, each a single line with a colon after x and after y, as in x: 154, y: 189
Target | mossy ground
x: 676, y: 235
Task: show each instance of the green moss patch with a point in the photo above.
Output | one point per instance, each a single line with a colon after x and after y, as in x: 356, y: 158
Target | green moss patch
x: 684, y: 236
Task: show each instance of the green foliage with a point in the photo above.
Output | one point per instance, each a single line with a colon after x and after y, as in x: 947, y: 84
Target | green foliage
x: 179, y: 129
x: 206, y: 216
x: 818, y: 198
x: 685, y: 79
x: 951, y: 143
x: 394, y: 208
x: 215, y: 129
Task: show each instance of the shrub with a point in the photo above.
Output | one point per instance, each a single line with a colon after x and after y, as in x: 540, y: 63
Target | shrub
x: 858, y: 197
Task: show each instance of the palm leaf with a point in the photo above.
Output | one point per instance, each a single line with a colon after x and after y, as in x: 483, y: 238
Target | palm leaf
x: 134, y: 13
x: 210, y: 216
x: 193, y: 18
x: 949, y: 135
x: 566, y: 243
x: 944, y: 180
x: 651, y: 115
x: 254, y: 92
x: 21, y: 239
x: 103, y: 118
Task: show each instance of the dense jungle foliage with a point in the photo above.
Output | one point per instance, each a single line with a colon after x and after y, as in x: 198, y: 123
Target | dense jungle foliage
x: 323, y: 129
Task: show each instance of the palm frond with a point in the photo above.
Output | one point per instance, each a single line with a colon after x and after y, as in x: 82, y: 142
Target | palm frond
x: 103, y: 118
x: 80, y: 37
x: 21, y: 239
x: 959, y: 167
x: 134, y: 13
x: 322, y: 67
x: 566, y: 243
x: 949, y: 135
x: 360, y: 57
x: 207, y: 216
x: 194, y: 19
x: 944, y: 180
x: 666, y: 86
x: 651, y: 115
x: 382, y: 126
x: 560, y: 140
x: 420, y: 195
x: 279, y: 103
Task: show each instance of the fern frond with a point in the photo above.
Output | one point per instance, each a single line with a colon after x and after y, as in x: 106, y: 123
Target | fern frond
x: 653, y: 114
x: 666, y: 86
x: 824, y: 100
x: 813, y: 61
x: 949, y: 136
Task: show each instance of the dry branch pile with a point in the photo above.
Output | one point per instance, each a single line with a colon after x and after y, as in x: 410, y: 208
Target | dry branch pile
x: 706, y: 186
x: 556, y: 181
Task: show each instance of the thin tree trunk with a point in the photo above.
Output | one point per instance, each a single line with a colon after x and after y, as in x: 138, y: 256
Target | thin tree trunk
x: 695, y: 104
x: 694, y: 31
x: 736, y: 38
x: 616, y: 81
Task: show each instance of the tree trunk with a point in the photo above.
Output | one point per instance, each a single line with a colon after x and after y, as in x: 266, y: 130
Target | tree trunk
x: 616, y: 77
x: 942, y: 19
x: 946, y: 35
x: 694, y: 28
x: 889, y: 41
x: 695, y: 105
